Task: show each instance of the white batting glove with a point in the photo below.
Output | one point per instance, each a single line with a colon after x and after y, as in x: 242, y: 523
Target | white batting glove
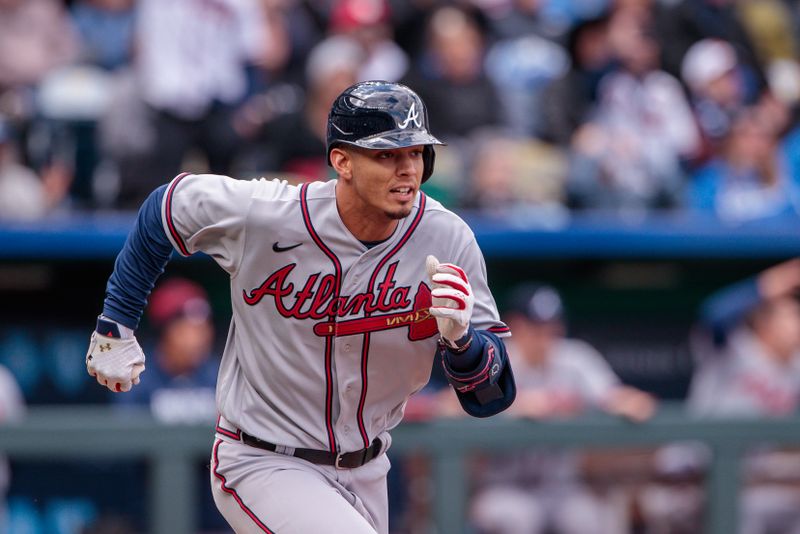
x: 452, y: 299
x: 116, y: 360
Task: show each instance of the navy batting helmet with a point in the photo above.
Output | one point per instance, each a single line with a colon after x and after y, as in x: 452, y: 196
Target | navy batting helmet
x: 381, y: 115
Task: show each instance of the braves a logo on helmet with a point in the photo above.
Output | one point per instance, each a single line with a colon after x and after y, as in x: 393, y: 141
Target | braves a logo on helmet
x: 413, y: 116
x: 386, y: 309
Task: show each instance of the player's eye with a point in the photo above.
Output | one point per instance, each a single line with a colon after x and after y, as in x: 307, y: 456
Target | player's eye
x: 385, y: 155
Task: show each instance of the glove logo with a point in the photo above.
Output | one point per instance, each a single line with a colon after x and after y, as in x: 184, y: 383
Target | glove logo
x: 105, y: 347
x: 413, y: 116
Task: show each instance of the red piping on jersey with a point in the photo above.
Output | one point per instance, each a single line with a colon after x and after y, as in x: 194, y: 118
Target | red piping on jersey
x: 233, y: 493
x: 365, y: 349
x: 230, y: 433
x: 328, y: 340
x: 174, y: 232
x: 499, y: 329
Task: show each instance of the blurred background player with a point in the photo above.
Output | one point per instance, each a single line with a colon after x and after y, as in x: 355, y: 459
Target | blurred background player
x: 752, y: 369
x: 182, y: 373
x: 747, y: 345
x: 12, y: 408
x: 558, y: 377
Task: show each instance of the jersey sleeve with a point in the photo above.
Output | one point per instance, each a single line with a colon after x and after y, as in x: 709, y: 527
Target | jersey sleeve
x: 208, y: 213
x: 12, y: 405
x: 596, y: 376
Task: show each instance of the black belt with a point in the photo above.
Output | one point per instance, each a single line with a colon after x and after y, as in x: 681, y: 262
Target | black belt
x: 347, y: 460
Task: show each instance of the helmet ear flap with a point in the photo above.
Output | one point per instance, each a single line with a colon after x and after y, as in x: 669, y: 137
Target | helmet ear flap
x: 428, y: 159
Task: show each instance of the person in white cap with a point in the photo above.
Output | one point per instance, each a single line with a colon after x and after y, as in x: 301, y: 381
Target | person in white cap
x: 711, y: 71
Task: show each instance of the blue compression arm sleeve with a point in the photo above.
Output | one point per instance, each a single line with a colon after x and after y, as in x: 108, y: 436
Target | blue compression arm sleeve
x: 141, y: 261
x: 470, y: 358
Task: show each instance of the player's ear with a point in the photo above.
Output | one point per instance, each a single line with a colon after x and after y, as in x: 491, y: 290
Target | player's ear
x: 342, y: 162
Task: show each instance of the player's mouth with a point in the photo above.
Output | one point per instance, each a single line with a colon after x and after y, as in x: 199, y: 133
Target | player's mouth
x: 403, y: 194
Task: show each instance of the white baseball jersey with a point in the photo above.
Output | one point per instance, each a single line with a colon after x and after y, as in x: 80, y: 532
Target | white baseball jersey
x: 328, y: 337
x: 12, y: 408
x: 745, y: 381
x: 574, y: 369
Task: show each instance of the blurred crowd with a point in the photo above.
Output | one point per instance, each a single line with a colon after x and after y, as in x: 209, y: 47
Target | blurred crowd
x: 547, y: 106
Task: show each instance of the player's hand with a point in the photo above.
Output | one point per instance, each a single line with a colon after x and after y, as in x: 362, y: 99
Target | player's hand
x: 452, y: 299
x: 115, y: 362
x: 631, y: 403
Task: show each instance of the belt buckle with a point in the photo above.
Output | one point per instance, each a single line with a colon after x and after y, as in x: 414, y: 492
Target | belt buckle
x: 339, y: 456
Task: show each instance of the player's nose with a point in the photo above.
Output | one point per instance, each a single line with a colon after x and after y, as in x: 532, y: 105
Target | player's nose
x: 406, y: 164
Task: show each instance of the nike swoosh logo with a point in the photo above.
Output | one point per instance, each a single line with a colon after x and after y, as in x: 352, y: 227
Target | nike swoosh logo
x: 277, y: 248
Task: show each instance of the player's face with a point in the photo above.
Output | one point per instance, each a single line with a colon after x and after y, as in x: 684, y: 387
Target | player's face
x: 385, y: 182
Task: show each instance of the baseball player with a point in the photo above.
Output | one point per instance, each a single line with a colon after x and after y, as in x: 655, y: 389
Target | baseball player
x: 342, y: 294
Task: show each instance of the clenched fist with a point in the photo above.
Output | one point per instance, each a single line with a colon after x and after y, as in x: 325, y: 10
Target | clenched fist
x: 114, y: 357
x: 452, y: 299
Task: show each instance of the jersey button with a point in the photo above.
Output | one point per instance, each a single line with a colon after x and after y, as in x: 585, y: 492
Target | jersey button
x: 346, y: 429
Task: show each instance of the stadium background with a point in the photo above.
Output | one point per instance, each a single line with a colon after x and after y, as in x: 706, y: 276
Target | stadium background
x: 531, y: 97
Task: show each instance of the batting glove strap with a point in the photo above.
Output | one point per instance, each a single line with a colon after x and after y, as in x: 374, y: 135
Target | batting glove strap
x: 115, y: 363
x: 461, y: 345
x: 111, y: 328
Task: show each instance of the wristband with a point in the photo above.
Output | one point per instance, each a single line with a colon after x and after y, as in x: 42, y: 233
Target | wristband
x: 111, y: 328
x: 461, y: 345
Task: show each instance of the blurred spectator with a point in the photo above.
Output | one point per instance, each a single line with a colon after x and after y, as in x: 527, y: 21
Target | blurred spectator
x: 181, y: 371
x: 711, y: 71
x: 368, y: 22
x: 191, y: 62
x: 450, y: 75
x: 501, y: 183
x: 557, y: 377
x: 23, y: 195
x: 294, y: 142
x: 292, y: 29
x: 35, y: 38
x: 749, y: 347
x: 521, y: 67
x: 512, y: 19
x: 681, y: 24
x: 74, y: 99
x: 276, y: 47
x: 748, y: 180
x: 106, y: 30
x: 567, y: 102
x: 769, y: 23
x: 629, y: 156
x: 12, y: 408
